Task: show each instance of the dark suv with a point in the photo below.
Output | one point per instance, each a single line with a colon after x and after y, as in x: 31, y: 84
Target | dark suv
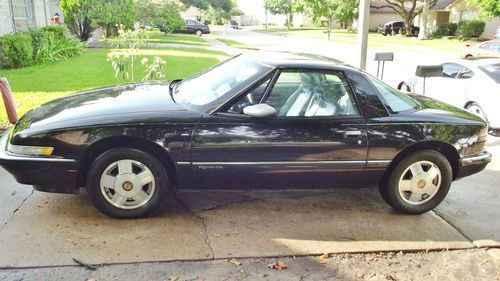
x: 396, y: 27
x: 194, y: 27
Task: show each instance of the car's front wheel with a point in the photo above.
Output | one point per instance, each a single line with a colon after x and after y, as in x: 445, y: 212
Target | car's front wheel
x: 199, y: 32
x: 126, y: 183
x: 418, y: 183
x: 476, y: 109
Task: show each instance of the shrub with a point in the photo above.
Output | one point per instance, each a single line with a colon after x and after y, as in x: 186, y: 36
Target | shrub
x: 16, y: 50
x: 446, y: 29
x: 59, y: 50
x: 473, y: 28
x: 59, y: 31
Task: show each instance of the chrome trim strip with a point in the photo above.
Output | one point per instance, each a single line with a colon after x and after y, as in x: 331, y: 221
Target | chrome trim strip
x: 379, y: 161
x: 4, y: 155
x: 484, y: 157
x: 279, y: 163
x: 183, y: 163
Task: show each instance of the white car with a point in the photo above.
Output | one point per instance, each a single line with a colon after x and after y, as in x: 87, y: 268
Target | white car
x: 472, y: 84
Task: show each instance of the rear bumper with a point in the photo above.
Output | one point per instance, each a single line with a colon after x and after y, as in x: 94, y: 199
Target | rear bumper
x: 472, y: 164
x: 45, y: 174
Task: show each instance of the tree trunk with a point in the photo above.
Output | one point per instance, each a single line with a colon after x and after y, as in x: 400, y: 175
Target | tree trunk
x: 329, y: 28
x: 422, y: 35
x: 408, y: 27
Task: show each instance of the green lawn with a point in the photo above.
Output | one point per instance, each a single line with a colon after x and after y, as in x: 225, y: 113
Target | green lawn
x: 156, y: 36
x: 35, y: 85
x: 375, y: 40
x: 234, y: 43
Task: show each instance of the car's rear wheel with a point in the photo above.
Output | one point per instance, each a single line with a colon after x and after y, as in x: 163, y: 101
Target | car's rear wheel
x: 199, y: 32
x: 418, y: 183
x: 126, y: 183
x: 476, y: 109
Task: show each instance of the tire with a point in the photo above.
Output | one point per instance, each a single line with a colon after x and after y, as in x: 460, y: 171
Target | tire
x: 476, y: 109
x: 421, y: 192
x: 126, y: 183
x: 199, y: 32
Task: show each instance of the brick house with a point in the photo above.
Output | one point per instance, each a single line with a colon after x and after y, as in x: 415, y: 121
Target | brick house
x: 18, y: 15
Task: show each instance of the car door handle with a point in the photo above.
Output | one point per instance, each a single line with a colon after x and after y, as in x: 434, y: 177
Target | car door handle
x: 352, y: 133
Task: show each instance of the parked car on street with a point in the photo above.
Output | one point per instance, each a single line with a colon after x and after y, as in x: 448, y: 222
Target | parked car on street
x: 465, y: 83
x: 232, y: 24
x: 253, y: 121
x: 486, y: 49
x: 396, y: 27
x: 194, y: 27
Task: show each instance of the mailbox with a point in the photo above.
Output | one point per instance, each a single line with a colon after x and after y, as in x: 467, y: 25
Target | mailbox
x: 429, y: 71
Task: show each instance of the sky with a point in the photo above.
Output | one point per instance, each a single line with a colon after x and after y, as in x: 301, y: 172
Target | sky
x: 251, y: 7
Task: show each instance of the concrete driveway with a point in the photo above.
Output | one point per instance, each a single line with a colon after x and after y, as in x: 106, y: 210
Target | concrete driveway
x: 41, y: 229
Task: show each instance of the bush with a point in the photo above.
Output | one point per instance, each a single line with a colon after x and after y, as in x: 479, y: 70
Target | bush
x: 472, y: 28
x: 446, y: 29
x: 59, y: 50
x: 59, y: 31
x: 16, y: 50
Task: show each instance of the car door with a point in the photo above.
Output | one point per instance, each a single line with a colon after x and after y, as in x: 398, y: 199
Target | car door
x: 489, y: 49
x: 317, y: 140
x: 445, y: 88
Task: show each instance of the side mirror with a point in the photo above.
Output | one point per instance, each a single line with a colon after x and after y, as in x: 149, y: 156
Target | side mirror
x: 261, y: 111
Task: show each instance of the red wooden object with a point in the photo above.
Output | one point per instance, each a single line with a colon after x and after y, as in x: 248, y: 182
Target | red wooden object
x: 8, y: 100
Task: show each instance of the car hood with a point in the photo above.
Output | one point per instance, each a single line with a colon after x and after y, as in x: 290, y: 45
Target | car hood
x: 124, y: 104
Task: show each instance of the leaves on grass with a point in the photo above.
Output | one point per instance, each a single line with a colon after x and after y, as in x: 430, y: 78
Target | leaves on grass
x: 173, y: 278
x: 277, y: 265
x: 233, y: 261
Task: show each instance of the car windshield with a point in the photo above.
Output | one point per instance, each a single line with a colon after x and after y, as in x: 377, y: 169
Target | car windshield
x: 395, y: 100
x: 207, y: 87
x: 493, y: 71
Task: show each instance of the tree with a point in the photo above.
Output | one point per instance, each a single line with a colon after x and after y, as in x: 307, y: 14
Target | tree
x: 115, y: 12
x: 487, y: 8
x: 225, y: 5
x: 200, y: 4
x: 408, y: 10
x: 217, y: 15
x: 80, y: 16
x: 161, y: 14
x: 283, y: 7
x: 83, y: 16
x: 330, y: 10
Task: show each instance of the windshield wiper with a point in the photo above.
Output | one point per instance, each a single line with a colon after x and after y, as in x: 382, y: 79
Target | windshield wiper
x: 171, y: 87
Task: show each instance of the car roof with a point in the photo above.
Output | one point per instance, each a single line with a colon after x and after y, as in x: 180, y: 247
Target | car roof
x: 296, y: 60
x: 475, y: 62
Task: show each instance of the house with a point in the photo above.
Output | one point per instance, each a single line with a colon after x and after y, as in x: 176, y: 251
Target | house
x: 380, y: 13
x: 19, y: 15
x: 454, y: 11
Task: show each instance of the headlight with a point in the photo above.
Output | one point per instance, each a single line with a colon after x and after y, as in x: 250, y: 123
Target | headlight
x: 30, y: 150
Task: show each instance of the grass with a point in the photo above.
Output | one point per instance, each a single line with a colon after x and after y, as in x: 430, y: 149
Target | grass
x: 159, y: 37
x: 234, y: 43
x: 35, y: 85
x: 375, y: 40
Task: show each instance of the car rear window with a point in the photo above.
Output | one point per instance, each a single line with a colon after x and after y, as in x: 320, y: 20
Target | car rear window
x: 493, y: 71
x: 393, y: 99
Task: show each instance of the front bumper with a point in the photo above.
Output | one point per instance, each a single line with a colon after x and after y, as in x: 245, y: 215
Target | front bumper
x: 472, y: 164
x: 45, y: 174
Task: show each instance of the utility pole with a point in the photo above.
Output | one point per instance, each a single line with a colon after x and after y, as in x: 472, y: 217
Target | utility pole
x: 362, y: 39
x: 422, y: 34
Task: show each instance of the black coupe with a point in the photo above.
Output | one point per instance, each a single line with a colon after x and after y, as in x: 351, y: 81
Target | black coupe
x: 254, y: 121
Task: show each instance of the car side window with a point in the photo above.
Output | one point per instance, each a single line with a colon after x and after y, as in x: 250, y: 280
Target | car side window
x: 311, y: 94
x: 451, y: 70
x: 465, y: 73
x: 253, y: 97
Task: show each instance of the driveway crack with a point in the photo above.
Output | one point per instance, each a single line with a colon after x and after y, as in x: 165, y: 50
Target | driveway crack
x: 17, y: 209
x: 203, y: 222
x: 457, y: 229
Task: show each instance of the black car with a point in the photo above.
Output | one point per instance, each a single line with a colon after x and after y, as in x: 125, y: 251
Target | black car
x: 253, y: 121
x: 396, y: 27
x: 194, y: 27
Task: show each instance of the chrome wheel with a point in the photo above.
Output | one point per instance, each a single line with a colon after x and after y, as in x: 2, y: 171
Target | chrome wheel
x: 127, y: 184
x: 477, y: 110
x: 420, y: 182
